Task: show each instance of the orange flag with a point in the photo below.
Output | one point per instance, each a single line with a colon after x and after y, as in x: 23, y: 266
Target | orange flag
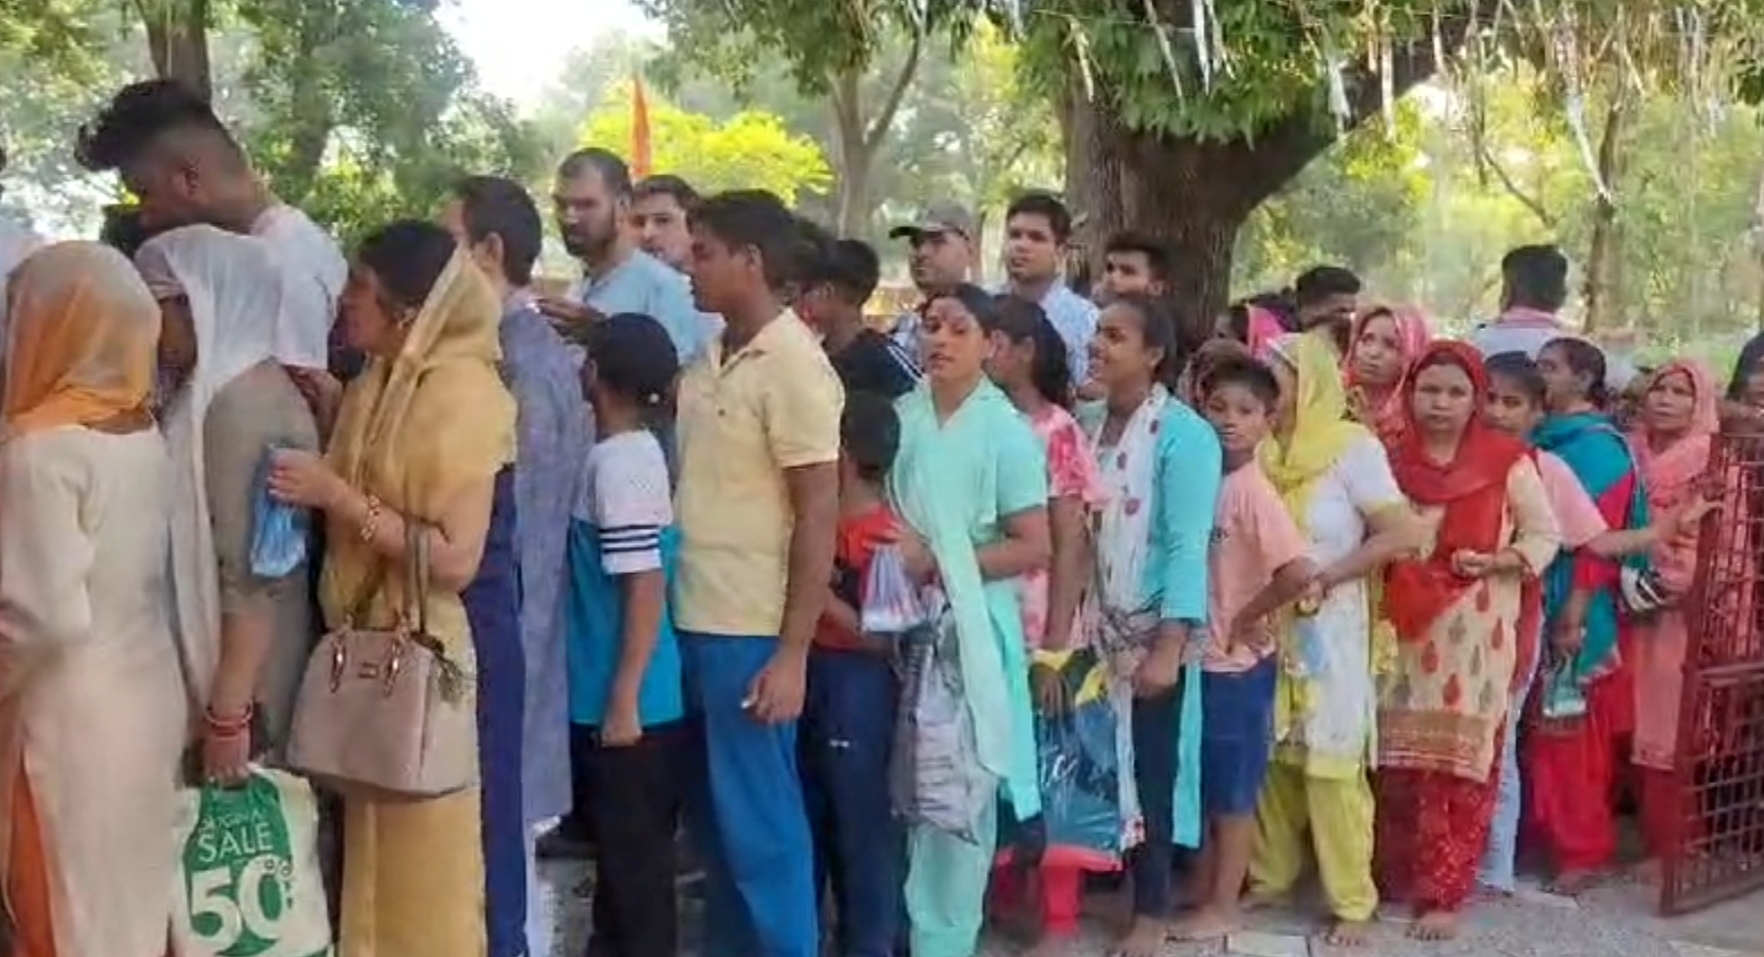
x: 639, y: 129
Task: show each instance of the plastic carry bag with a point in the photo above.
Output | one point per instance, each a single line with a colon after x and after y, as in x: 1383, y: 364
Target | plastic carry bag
x: 278, y: 530
x: 891, y: 604
x: 1078, y: 764
x: 1562, y: 699
x: 935, y: 776
x: 250, y: 884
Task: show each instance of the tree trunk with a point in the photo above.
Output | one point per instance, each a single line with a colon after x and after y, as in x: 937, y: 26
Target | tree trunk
x: 1193, y: 194
x: 860, y: 138
x: 1604, y: 256
x: 1190, y: 194
x: 177, y: 40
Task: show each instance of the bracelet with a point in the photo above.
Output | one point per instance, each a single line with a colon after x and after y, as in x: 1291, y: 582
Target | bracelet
x: 370, y: 523
x: 229, y: 726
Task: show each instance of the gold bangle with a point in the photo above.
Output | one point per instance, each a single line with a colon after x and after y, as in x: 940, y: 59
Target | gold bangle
x: 370, y: 523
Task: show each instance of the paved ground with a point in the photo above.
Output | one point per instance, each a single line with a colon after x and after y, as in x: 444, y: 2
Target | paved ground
x: 1615, y: 921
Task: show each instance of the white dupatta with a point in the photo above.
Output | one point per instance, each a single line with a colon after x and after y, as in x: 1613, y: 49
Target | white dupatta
x: 235, y: 294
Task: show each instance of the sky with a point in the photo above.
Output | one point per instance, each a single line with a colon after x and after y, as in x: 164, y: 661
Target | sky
x: 518, y: 45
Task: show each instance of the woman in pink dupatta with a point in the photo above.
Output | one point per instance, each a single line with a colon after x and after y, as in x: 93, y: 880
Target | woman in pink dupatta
x: 1385, y: 341
x: 1679, y: 419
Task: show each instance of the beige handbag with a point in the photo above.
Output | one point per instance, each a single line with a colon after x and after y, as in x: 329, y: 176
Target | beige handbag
x: 385, y: 713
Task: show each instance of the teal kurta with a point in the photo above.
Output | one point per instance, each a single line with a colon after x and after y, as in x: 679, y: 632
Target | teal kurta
x: 955, y: 483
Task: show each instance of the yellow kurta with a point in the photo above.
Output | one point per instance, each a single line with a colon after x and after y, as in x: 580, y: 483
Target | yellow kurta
x: 418, y: 431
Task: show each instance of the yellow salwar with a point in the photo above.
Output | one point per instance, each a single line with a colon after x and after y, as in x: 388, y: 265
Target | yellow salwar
x: 1301, y: 814
x: 417, y: 431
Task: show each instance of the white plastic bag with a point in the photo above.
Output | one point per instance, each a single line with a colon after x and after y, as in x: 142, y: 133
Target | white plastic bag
x: 891, y: 602
x: 250, y: 884
x: 935, y: 775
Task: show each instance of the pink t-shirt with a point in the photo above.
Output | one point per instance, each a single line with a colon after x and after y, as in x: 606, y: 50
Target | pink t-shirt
x: 1577, y: 516
x: 1071, y: 473
x: 1254, y: 536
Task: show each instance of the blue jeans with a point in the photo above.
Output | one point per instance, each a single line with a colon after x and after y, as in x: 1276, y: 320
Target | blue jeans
x: 745, y: 808
x: 846, y: 735
x: 1498, y: 856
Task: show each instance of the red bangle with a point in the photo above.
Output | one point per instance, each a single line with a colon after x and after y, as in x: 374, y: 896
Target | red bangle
x: 229, y: 725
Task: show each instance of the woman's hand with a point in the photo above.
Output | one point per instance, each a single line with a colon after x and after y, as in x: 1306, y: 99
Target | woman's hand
x: 1568, y: 636
x: 1685, y: 522
x: 226, y: 756
x: 1048, y: 690
x: 298, y: 477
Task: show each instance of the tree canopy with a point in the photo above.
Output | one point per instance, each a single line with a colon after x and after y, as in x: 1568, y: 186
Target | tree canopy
x: 356, y: 109
x: 750, y: 150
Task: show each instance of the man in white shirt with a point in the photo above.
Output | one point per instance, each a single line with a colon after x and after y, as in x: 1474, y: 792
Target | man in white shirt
x: 1534, y: 288
x: 178, y: 159
x: 1038, y: 228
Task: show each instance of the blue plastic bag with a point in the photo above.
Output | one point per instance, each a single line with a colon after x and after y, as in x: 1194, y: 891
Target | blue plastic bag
x: 1080, y: 771
x: 278, y: 530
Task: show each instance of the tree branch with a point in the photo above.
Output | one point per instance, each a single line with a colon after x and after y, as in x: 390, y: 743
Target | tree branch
x: 884, y: 118
x: 1485, y: 159
x: 1285, y: 147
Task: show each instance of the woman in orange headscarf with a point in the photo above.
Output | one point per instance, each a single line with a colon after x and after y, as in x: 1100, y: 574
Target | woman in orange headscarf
x: 1385, y: 340
x: 1458, y: 606
x: 92, y: 706
x: 1679, y: 418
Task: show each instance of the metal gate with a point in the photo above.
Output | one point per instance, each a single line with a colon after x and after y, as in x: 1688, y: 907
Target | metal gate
x: 1720, y: 819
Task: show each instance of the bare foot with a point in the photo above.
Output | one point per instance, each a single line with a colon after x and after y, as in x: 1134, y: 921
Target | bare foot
x: 1349, y: 933
x: 1145, y: 938
x: 1572, y: 882
x: 1206, y: 923
x: 1435, y: 925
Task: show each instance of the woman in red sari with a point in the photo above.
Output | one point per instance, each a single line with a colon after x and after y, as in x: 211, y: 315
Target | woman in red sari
x: 1458, y: 606
x: 1386, y: 339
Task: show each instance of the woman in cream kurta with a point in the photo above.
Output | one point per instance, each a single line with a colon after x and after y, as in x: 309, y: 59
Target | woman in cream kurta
x: 1461, y: 607
x: 420, y: 436
x: 92, y: 711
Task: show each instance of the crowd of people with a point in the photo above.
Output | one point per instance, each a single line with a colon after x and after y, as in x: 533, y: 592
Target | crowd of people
x: 1336, y: 592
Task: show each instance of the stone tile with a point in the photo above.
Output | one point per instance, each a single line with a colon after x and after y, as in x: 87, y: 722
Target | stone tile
x: 1253, y: 943
x: 1685, y: 949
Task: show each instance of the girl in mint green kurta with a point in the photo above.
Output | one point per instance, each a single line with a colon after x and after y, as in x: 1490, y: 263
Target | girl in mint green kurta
x: 970, y: 480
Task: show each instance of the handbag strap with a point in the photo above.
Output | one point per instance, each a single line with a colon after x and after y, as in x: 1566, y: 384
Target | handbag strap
x: 416, y: 582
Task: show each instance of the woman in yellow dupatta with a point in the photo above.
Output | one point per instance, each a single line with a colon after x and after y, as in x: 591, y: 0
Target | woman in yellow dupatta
x: 92, y: 704
x: 1337, y: 482
x: 420, y: 436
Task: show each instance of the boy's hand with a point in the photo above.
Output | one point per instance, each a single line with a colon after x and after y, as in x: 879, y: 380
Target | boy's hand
x: 915, y: 554
x: 1248, y: 633
x: 620, y: 727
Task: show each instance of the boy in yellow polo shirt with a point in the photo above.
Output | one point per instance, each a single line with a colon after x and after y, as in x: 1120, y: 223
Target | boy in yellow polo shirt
x: 758, y: 505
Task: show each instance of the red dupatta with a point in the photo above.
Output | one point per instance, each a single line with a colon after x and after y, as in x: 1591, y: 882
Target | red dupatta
x: 1472, y: 488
